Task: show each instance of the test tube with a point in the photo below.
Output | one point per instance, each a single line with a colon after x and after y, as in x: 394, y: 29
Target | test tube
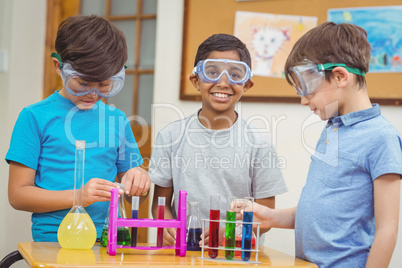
x: 215, y: 206
x: 230, y: 227
x: 135, y: 203
x: 248, y: 208
x: 161, y: 216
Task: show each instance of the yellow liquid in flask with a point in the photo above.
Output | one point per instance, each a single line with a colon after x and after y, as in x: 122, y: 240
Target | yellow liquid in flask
x: 77, y: 231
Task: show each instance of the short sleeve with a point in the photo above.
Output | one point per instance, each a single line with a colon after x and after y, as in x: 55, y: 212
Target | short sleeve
x: 267, y: 175
x: 160, y: 167
x: 385, y: 155
x: 25, y: 144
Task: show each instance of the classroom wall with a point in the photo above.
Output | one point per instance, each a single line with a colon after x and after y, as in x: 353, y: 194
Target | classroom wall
x: 287, y: 122
x: 22, y: 35
x: 22, y: 29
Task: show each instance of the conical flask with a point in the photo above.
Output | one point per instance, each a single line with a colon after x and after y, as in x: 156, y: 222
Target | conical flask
x: 193, y: 227
x: 77, y: 230
x: 123, y: 233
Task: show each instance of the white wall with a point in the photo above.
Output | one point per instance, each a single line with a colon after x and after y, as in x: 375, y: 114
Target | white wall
x: 291, y: 119
x: 22, y: 35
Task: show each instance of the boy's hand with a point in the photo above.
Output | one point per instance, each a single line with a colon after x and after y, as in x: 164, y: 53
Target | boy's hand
x: 169, y: 236
x: 206, y: 235
x: 262, y: 214
x: 96, y: 190
x: 136, y: 181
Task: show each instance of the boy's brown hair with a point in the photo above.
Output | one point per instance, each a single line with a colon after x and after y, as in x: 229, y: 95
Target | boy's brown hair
x: 223, y: 42
x: 333, y: 43
x: 92, y: 45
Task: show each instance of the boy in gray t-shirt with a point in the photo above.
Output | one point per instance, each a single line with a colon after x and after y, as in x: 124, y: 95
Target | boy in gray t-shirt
x: 215, y: 152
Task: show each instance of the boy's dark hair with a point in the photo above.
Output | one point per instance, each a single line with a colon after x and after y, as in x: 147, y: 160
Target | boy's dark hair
x: 222, y: 42
x: 332, y: 43
x: 92, y: 45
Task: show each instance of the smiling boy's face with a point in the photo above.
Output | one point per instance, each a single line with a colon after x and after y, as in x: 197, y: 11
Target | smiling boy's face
x: 221, y: 97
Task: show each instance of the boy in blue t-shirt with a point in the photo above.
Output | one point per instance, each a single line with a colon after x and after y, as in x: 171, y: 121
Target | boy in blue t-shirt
x: 347, y: 215
x: 90, y: 58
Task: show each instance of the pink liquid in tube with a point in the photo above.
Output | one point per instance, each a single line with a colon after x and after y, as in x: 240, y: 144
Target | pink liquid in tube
x: 214, y: 226
x: 161, y: 216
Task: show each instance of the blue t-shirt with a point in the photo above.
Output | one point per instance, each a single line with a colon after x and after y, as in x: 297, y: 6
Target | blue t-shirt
x: 335, y: 222
x: 44, y: 139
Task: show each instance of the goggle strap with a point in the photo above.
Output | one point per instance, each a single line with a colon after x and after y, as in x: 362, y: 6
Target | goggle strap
x: 57, y: 56
x: 331, y: 66
x: 321, y: 67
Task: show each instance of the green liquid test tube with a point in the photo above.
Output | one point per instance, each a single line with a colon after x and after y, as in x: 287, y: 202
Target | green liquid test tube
x: 230, y: 234
x: 230, y: 227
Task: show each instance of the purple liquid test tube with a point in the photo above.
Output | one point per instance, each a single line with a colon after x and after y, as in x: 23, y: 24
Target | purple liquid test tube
x: 135, y: 203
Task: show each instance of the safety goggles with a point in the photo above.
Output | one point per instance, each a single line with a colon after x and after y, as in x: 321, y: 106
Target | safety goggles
x: 308, y: 78
x: 77, y: 86
x: 211, y: 71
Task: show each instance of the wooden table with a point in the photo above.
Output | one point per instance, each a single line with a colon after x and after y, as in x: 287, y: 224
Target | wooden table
x: 50, y: 254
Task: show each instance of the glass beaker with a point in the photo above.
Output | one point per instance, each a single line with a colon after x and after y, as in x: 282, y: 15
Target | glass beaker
x: 77, y: 230
x: 123, y: 233
x: 193, y: 226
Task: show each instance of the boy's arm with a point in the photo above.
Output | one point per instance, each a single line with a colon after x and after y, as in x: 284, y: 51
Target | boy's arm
x: 386, y: 211
x: 169, y: 234
x: 274, y: 218
x: 268, y: 202
x: 24, y: 195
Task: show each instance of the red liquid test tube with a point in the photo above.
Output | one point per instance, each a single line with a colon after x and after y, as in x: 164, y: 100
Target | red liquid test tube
x: 161, y: 216
x: 215, y: 204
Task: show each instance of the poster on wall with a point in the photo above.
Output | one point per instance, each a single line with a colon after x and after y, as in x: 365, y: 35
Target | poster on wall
x: 384, y: 30
x: 269, y: 38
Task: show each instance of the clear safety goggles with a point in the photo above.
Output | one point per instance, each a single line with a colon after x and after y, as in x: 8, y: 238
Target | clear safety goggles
x: 308, y: 78
x: 211, y: 71
x: 77, y: 86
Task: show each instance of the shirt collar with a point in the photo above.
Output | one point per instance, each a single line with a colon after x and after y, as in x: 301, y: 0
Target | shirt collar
x: 355, y: 117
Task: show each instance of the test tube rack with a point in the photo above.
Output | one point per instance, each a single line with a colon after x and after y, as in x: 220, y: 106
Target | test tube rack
x: 234, y: 260
x: 179, y: 224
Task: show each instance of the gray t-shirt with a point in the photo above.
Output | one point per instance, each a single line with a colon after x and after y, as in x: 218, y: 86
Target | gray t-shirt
x: 238, y: 161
